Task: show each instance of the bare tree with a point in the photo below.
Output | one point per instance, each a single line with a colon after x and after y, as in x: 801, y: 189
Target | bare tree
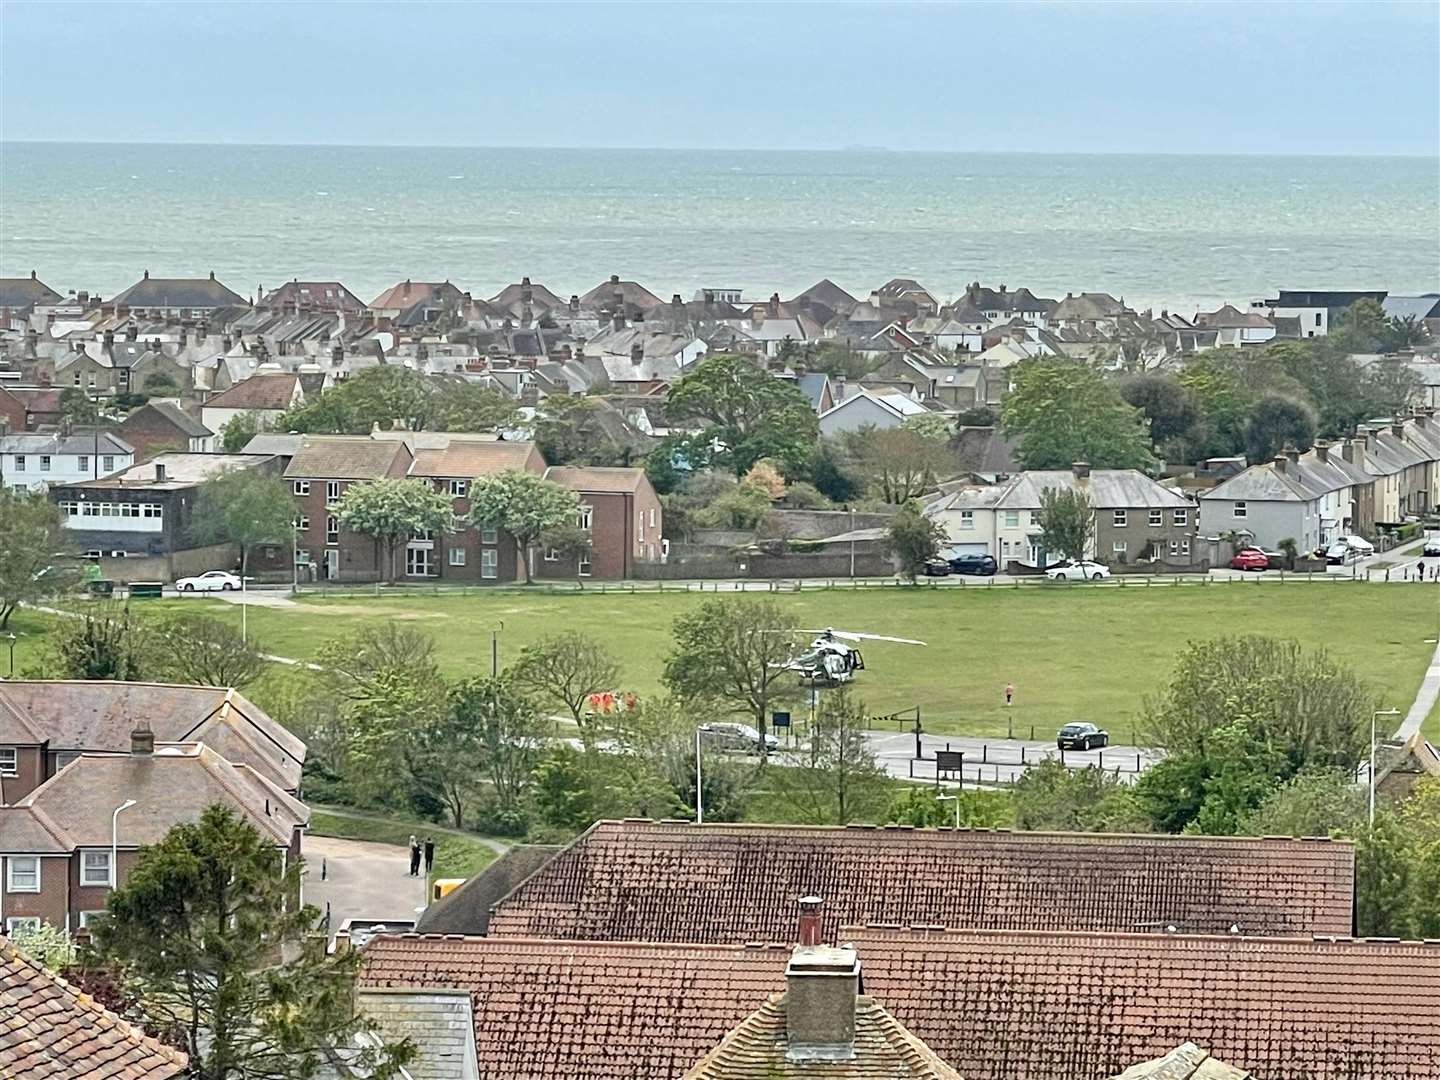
x: 566, y: 669
x: 835, y: 779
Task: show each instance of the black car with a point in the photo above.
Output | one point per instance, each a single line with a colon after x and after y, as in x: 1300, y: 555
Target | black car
x: 1081, y: 737
x: 937, y: 568
x: 974, y: 563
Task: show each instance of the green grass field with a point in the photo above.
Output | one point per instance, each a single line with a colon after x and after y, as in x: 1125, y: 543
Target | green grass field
x: 1072, y: 653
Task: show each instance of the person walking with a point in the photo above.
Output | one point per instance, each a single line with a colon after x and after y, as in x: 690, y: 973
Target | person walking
x: 1009, y: 692
x: 1421, y: 568
x: 429, y: 853
x: 414, y: 856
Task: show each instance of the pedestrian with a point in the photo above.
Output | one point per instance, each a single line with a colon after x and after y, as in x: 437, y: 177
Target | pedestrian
x: 429, y: 853
x: 414, y: 856
x: 1421, y: 567
x: 1009, y: 692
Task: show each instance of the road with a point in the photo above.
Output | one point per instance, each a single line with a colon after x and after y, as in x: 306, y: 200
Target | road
x: 358, y: 879
x: 991, y: 760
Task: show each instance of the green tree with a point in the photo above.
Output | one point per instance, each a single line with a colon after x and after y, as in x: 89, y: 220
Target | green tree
x: 1168, y: 406
x: 748, y: 415
x: 1223, y: 400
x: 1050, y: 796
x: 200, y: 650
x: 33, y: 551
x: 576, y: 430
x: 742, y: 506
x: 525, y: 505
x: 1363, y: 326
x: 207, y: 932
x: 938, y: 427
x: 470, y: 407
x: 735, y: 651
x: 391, y: 511
x: 375, y: 395
x: 913, y: 538
x: 920, y: 806
x: 834, y: 471
x: 104, y: 642
x: 1067, y: 522
x: 244, y: 507
x: 1314, y: 802
x: 834, y: 779
x: 1277, y: 422
x: 1065, y: 411
x: 1405, y: 332
x: 564, y: 670
x: 900, y: 462
x: 509, y: 733
x: 239, y: 430
x: 77, y: 407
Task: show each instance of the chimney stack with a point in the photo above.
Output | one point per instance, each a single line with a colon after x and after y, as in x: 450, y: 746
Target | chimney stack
x: 1081, y: 469
x: 618, y: 321
x: 822, y: 983
x: 1322, y: 451
x: 1293, y: 454
x: 1282, y: 464
x: 637, y: 354
x: 1398, y: 428
x: 774, y: 305
x: 142, y: 739
x: 810, y: 920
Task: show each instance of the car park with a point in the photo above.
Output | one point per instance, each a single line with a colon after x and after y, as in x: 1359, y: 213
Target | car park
x: 1080, y: 736
x: 937, y: 567
x: 979, y: 563
x: 1070, y: 570
x: 210, y: 581
x: 1250, y: 559
x: 741, y: 737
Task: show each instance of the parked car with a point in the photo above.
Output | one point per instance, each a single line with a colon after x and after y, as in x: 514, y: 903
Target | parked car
x: 1432, y: 549
x: 736, y: 737
x: 1081, y: 737
x: 210, y: 581
x: 1348, y: 549
x: 974, y: 563
x: 1359, y: 545
x: 1250, y: 559
x: 1070, y: 570
x: 937, y: 567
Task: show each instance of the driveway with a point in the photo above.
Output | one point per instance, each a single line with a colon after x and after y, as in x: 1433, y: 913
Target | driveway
x: 361, y: 880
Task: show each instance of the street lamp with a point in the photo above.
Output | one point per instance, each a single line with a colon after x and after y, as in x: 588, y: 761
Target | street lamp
x: 10, y: 640
x: 699, y: 799
x: 1373, y: 718
x: 495, y: 650
x: 115, y: 839
x: 956, y: 800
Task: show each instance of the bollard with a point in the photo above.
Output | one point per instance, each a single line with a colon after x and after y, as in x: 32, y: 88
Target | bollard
x: 1022, y: 755
x: 1137, y: 761
x: 984, y: 753
x: 324, y: 869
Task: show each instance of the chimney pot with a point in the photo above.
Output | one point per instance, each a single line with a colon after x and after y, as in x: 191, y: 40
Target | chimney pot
x: 1322, y: 451
x: 1081, y: 469
x: 614, y: 279
x: 1293, y: 454
x: 142, y: 739
x: 810, y: 920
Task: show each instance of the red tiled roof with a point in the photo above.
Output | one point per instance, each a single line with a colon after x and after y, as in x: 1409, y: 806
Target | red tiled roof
x: 994, y: 1005
x: 48, y: 1029
x: 467, y: 459
x: 596, y: 478
x: 674, y: 881
x: 257, y: 392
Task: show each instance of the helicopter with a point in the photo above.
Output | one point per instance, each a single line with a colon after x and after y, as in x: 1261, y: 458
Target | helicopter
x: 829, y: 661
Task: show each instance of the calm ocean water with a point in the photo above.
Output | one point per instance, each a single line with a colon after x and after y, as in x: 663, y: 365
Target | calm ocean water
x: 1182, y: 231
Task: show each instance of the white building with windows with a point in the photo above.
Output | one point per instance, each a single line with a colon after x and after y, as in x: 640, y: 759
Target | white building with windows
x: 37, y: 462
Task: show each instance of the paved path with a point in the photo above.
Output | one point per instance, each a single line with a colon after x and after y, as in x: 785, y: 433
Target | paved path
x: 362, y: 880
x: 1424, y: 699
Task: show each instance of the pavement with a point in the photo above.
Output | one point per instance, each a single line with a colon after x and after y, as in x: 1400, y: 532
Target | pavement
x: 359, y: 879
x: 990, y: 760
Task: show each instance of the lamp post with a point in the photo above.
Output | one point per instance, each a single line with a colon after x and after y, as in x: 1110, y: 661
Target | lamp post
x: 1373, y: 720
x: 115, y: 840
x: 495, y: 650
x: 956, y: 800
x: 699, y: 799
x: 10, y: 640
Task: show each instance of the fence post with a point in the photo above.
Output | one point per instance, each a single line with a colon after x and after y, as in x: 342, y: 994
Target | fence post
x: 984, y: 752
x: 1137, y: 761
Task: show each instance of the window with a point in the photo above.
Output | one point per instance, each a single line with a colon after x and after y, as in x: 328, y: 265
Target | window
x: 1157, y: 518
x: 640, y: 524
x: 1317, y: 318
x: 1120, y: 518
x: 967, y: 519
x: 87, y: 918
x: 489, y: 536
x: 1012, y: 519
x: 1239, y: 510
x: 458, y: 488
x: 332, y: 529
x: 301, y: 487
x: 302, y: 523
x: 151, y: 510
x: 582, y: 567
x: 652, y: 517
x: 1180, y: 518
x: 44, y: 462
x: 457, y: 556
x: 95, y: 868
x: 83, y: 463
x: 1120, y: 547
x: 332, y: 491
x: 24, y: 874
x: 1180, y: 548
x: 489, y: 563
x: 19, y: 462
x: 22, y: 922
x: 107, y: 462
x: 585, y: 517
x: 552, y: 555
x: 65, y: 758
x: 9, y: 761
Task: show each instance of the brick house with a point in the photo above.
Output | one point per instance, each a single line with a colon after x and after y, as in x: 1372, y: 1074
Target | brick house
x: 263, y: 396
x: 160, y: 426
x: 57, y: 843
x: 622, y: 512
x: 320, y: 471
x: 28, y: 408
x: 46, y: 724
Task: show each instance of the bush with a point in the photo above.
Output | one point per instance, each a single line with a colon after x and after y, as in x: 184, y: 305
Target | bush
x: 804, y: 496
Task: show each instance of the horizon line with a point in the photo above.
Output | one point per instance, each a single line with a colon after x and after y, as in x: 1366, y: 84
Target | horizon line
x: 856, y: 149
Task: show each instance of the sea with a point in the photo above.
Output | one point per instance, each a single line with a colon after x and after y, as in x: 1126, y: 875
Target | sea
x: 1183, y: 232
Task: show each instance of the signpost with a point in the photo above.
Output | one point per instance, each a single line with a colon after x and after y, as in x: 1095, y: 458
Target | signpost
x: 950, y: 765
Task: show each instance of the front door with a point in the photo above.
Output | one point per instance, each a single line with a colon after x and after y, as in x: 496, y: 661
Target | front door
x: 417, y: 561
x: 332, y: 563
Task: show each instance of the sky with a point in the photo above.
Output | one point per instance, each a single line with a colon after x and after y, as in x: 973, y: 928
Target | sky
x: 1246, y: 77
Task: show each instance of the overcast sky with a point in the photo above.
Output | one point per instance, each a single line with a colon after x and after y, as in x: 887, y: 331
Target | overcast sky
x: 1340, y: 78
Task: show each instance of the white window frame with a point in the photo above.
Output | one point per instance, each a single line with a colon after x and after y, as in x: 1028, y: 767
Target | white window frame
x: 552, y: 555
x: 489, y: 536
x: 107, y: 463
x: 586, y: 517
x: 1012, y: 519
x: 10, y: 886
x: 967, y: 519
x: 300, y: 487
x: 65, y: 757
x: 9, y: 761
x: 86, y: 879
x: 1240, y: 509
x: 302, y: 523
x: 652, y: 517
x: 87, y: 916
x: 1120, y: 519
x: 44, y: 462
x: 28, y: 922
x: 19, y: 462
x: 1180, y: 518
x: 585, y: 564
x: 332, y: 491
x: 1120, y: 547
x: 332, y: 529
x: 82, y: 463
x: 457, y: 556
x: 459, y: 488
x: 1157, y: 519
x: 489, y: 564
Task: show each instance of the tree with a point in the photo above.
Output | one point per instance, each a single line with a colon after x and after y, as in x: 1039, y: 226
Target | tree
x: 938, y: 427
x: 375, y: 395
x: 565, y: 670
x: 1278, y: 422
x: 391, y: 511
x: 1405, y: 332
x: 32, y: 534
x: 834, y: 472
x: 525, y: 505
x: 749, y: 414
x: 765, y: 476
x: 1363, y: 326
x: 835, y: 779
x: 207, y: 932
x: 921, y: 807
x: 900, y: 462
x: 77, y: 407
x: 1049, y: 796
x: 1314, y: 802
x: 508, y: 730
x: 1169, y: 407
x: 735, y: 651
x: 470, y: 407
x: 1065, y: 411
x: 244, y: 507
x: 239, y: 430
x: 199, y: 650
x: 1067, y: 522
x: 574, y: 430
x: 1223, y: 400
x: 913, y: 538
x: 104, y: 642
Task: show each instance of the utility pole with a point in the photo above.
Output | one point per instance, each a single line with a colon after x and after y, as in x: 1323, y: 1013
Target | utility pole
x: 495, y: 650
x: 699, y: 797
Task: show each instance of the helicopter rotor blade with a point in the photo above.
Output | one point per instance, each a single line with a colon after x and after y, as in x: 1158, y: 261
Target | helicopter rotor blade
x: 856, y: 635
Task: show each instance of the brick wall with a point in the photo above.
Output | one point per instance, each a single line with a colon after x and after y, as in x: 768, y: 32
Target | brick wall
x: 50, y: 903
x: 30, y: 773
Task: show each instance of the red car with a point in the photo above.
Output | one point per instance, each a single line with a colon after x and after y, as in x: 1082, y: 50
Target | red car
x: 1250, y: 559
